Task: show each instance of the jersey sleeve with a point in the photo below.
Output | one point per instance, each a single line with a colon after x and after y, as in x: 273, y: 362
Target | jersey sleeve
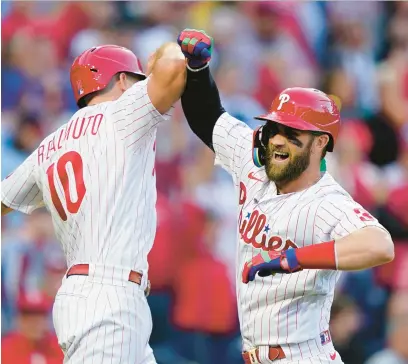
x: 20, y: 190
x: 135, y: 117
x: 232, y: 142
x: 349, y: 217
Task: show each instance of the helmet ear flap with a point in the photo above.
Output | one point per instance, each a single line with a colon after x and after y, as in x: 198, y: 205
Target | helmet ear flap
x: 258, y: 148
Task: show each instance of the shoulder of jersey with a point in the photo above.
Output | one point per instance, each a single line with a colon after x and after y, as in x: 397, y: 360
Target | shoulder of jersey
x: 334, y: 187
x: 336, y: 196
x: 326, y: 191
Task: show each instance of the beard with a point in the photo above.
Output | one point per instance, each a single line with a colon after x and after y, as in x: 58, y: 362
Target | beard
x: 282, y: 173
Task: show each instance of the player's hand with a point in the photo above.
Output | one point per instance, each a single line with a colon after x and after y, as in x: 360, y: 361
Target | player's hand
x: 269, y: 263
x: 196, y: 46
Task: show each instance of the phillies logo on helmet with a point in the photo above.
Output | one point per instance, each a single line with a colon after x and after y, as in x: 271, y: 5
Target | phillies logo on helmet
x: 80, y: 88
x: 283, y: 98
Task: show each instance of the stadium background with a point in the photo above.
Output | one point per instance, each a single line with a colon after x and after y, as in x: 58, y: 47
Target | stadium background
x: 358, y: 51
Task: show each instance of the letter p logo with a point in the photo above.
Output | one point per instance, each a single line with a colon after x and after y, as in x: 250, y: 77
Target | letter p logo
x: 283, y: 98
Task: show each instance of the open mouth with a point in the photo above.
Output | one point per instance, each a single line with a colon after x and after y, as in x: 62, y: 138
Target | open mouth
x: 280, y: 156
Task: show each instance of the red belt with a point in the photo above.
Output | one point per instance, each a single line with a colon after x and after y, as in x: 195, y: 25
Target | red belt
x: 252, y: 356
x: 83, y: 270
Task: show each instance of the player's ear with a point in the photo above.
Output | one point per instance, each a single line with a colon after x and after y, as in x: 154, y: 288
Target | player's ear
x: 321, y: 141
x: 124, y: 82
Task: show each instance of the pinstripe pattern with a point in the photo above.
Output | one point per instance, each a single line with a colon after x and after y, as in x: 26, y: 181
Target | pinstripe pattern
x: 291, y: 308
x: 320, y: 356
x: 316, y: 360
x: 19, y: 191
x: 118, y: 160
x: 112, y: 229
x: 91, y: 324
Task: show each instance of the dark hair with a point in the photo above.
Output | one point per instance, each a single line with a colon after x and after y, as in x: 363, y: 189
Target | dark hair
x: 84, y: 101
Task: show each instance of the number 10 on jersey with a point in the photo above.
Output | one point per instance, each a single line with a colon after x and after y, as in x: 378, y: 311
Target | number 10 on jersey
x: 75, y: 160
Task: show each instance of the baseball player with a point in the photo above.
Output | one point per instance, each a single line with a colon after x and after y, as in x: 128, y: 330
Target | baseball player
x: 297, y: 227
x: 95, y: 175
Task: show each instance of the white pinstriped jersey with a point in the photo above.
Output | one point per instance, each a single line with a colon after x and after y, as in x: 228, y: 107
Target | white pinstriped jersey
x: 285, y: 308
x: 96, y: 176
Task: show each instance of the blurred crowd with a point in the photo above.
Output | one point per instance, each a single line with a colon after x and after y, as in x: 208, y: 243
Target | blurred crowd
x: 355, y: 50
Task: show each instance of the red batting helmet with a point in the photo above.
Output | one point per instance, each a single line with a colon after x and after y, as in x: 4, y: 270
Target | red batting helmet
x: 301, y: 108
x: 93, y: 69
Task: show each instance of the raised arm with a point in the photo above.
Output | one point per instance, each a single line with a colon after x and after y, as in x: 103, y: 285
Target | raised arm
x: 167, y: 76
x: 228, y: 137
x: 200, y: 100
x: 358, y: 242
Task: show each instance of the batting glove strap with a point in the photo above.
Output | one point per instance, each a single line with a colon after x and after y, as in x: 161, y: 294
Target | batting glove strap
x: 197, y: 69
x: 292, y: 260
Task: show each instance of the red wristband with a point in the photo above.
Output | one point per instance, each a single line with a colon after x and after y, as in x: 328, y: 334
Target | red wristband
x: 318, y: 256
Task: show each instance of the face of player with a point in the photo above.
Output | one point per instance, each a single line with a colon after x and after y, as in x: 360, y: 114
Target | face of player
x: 34, y: 326
x: 288, y: 153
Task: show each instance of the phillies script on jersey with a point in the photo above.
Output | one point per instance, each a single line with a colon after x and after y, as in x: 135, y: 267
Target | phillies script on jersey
x: 254, y: 231
x: 290, y: 310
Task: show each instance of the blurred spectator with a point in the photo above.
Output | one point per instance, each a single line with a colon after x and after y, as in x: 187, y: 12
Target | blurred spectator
x: 178, y: 232
x: 338, y: 82
x: 98, y: 30
x: 344, y: 325
x: 234, y: 97
x: 163, y: 259
x: 370, y: 15
x: 163, y: 255
x: 28, y: 30
x: 394, y: 213
x: 397, y: 351
x: 202, y: 185
x: 396, y: 205
x: 52, y: 21
x: 385, y: 140
x: 31, y: 342
x: 353, y: 51
x: 284, y: 56
x: 369, y: 299
x: 32, y: 82
x: 24, y: 254
x: 235, y: 43
x: 17, y: 17
x: 396, y: 173
x: 204, y: 322
x: 55, y: 268
x: 393, y: 72
x: 16, y: 148
x: 173, y: 140
x: 351, y: 168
